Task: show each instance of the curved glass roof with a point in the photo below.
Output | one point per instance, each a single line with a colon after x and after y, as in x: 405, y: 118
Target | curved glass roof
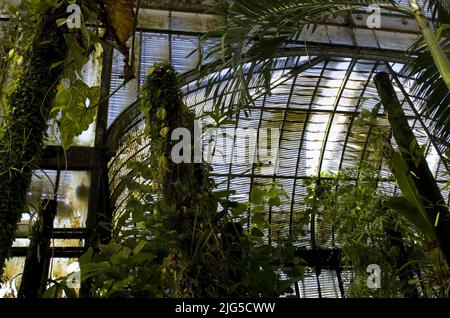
x: 317, y: 94
x: 314, y: 103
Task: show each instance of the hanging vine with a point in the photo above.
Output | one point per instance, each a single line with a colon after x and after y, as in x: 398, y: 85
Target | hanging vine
x: 178, y: 244
x: 48, y: 57
x: 183, y: 191
x: 29, y: 103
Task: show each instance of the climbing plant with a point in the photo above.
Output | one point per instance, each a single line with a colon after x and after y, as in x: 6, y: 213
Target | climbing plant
x: 368, y: 233
x: 183, y: 239
x: 29, y: 105
x: 373, y: 228
x: 49, y: 57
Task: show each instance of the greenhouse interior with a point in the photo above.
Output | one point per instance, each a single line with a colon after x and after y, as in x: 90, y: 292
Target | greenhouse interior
x: 224, y: 149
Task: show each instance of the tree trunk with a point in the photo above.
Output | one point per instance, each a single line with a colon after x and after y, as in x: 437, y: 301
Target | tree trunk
x: 431, y: 197
x: 30, y: 105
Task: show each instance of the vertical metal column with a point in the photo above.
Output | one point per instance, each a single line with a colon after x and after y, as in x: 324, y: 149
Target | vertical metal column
x: 99, y: 209
x: 35, y: 272
x: 99, y: 218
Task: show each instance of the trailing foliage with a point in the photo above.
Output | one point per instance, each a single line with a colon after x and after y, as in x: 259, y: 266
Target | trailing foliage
x: 46, y: 52
x: 76, y: 103
x: 369, y: 232
x: 253, y: 35
x: 4, y: 62
x: 373, y: 228
x: 178, y: 244
x: 29, y: 105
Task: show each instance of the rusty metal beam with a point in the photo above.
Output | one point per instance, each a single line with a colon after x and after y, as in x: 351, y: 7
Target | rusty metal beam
x: 58, y: 252
x: 77, y: 158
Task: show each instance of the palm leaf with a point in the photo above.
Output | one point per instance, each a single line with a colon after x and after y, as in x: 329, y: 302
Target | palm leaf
x: 429, y: 85
x: 440, y: 11
x: 411, y: 212
x: 255, y: 31
x: 252, y: 36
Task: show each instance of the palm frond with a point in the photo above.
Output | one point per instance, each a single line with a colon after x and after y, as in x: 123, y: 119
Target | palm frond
x: 254, y: 33
x: 429, y: 85
x: 440, y: 11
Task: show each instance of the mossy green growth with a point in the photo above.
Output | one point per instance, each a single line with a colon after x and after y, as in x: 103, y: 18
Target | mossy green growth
x: 178, y: 244
x: 29, y: 105
x: 164, y: 111
x: 184, y: 191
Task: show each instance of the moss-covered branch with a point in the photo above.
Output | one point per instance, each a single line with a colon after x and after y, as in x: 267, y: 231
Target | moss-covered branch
x: 184, y: 189
x: 432, y: 202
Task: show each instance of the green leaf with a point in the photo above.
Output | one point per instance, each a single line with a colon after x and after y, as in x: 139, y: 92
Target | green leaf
x: 257, y: 196
x: 141, y: 258
x: 405, y: 181
x: 109, y: 249
x: 130, y: 183
x: 239, y: 209
x: 61, y: 22
x: 258, y: 208
x: 298, y: 260
x: 298, y: 271
x: 150, y: 70
x: 133, y: 203
x: 411, y: 213
x: 55, y: 65
x: 139, y: 247
x: 70, y: 292
x: 120, y: 256
x: 76, y: 115
x: 55, y: 291
x: 275, y: 201
x: 86, y: 257
x: 258, y: 218
x: 256, y: 232
x: 223, y: 193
